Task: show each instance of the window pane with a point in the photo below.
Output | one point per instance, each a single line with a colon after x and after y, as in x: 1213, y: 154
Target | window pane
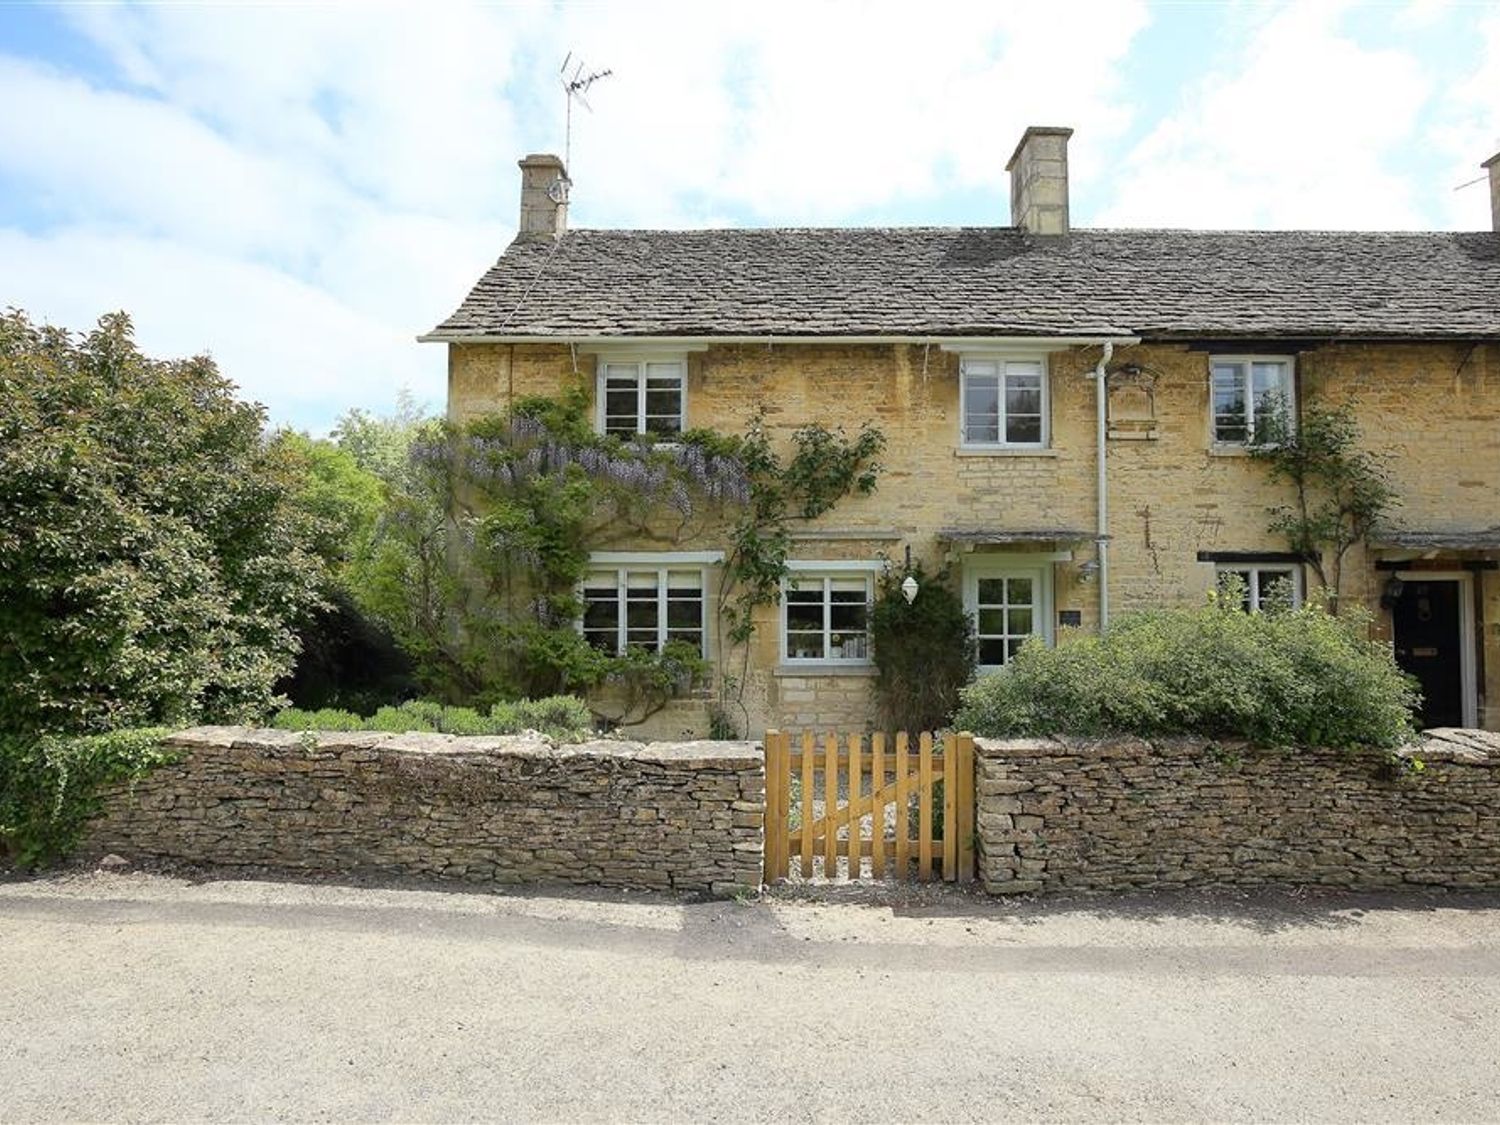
x: 991, y: 651
x: 1230, y: 415
x: 684, y: 614
x: 1020, y: 591
x: 982, y: 407
x: 1025, y: 398
x: 1277, y: 590
x: 804, y: 646
x: 1012, y: 647
x: 1019, y: 623
x: 663, y: 373
x: 804, y: 609
x: 1243, y: 578
x: 992, y: 591
x: 991, y: 622
x: 1023, y: 429
x: 980, y: 429
x: 845, y: 615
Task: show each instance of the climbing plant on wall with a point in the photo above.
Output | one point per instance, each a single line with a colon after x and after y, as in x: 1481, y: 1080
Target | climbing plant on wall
x: 478, y: 561
x: 1340, y: 491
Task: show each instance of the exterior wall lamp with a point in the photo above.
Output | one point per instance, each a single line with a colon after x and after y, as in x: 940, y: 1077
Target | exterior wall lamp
x: 909, y: 589
x: 1088, y: 571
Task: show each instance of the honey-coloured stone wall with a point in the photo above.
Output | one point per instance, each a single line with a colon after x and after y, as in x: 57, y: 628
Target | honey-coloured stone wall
x: 1431, y: 410
x: 670, y: 816
x: 1121, y: 814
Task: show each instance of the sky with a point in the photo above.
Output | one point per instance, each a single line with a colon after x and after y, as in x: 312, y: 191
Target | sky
x: 301, y: 190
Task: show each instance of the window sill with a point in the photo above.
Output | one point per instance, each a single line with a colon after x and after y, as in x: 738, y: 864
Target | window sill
x: 1003, y: 451
x: 1228, y: 451
x: 818, y: 671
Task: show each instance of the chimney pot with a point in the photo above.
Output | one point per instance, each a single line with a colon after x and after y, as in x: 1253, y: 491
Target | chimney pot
x: 1492, y: 165
x: 1039, y: 180
x: 544, y: 196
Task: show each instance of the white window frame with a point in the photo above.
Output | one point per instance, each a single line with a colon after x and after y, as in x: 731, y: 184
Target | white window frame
x: 641, y: 361
x: 1247, y: 362
x: 624, y: 563
x: 1011, y: 566
x: 802, y: 574
x: 1001, y: 361
x: 1256, y: 570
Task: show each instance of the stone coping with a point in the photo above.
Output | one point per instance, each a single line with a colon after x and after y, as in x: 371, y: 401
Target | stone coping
x: 1443, y: 744
x: 531, y: 744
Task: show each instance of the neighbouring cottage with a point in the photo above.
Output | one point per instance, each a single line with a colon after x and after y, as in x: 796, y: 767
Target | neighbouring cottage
x: 1067, y: 413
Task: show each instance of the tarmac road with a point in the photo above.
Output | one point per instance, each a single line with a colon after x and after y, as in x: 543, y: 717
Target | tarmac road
x: 151, y: 997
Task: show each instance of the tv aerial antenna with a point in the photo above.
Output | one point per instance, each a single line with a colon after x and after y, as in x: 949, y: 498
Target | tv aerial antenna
x: 575, y: 89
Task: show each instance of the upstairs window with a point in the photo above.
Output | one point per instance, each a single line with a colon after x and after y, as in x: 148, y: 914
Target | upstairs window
x: 1246, y: 391
x: 1004, y: 402
x: 643, y: 606
x: 645, y: 396
x: 1265, y: 587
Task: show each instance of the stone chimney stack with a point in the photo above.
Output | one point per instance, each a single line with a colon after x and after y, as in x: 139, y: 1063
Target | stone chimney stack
x: 544, y: 196
x: 1492, y: 165
x: 1039, y: 181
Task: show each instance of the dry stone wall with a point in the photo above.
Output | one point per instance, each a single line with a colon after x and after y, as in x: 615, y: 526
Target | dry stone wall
x: 1057, y: 815
x: 675, y: 816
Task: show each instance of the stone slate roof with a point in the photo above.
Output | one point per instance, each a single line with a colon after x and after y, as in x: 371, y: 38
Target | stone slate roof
x: 981, y: 281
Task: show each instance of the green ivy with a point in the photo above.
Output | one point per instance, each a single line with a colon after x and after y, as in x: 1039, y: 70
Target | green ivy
x: 50, y: 786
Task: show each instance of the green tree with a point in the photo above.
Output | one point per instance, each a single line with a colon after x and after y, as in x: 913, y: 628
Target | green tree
x: 153, y: 561
x: 1341, y: 492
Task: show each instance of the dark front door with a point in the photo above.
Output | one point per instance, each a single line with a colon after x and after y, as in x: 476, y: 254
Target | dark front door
x: 1428, y: 637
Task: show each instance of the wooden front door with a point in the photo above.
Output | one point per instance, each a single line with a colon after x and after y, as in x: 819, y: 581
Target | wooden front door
x: 1429, y: 639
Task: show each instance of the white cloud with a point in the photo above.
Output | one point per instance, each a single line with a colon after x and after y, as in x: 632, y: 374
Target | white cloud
x: 301, y: 190
x: 1306, y: 130
x: 287, y: 343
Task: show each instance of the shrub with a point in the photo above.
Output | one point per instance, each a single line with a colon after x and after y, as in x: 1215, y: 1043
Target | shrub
x: 153, y: 561
x: 924, y: 651
x: 563, y: 717
x: 1293, y: 678
x: 49, y: 787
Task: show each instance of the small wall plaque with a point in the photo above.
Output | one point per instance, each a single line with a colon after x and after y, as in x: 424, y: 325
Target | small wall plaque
x: 1070, y: 618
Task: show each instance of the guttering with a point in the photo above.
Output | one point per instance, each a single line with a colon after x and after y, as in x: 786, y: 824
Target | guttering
x: 947, y: 343
x: 1101, y: 483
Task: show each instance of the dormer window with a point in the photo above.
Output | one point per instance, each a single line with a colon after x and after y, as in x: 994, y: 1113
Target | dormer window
x: 1247, y: 390
x: 642, y: 396
x: 1004, y: 402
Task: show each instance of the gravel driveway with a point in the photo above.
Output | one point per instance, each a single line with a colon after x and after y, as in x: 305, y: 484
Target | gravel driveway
x: 150, y: 997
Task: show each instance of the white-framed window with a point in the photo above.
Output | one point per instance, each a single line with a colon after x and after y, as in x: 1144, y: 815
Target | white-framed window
x: 642, y: 395
x: 1003, y: 402
x: 1010, y: 608
x: 1266, y: 585
x: 1246, y: 389
x: 645, y: 603
x: 825, y: 613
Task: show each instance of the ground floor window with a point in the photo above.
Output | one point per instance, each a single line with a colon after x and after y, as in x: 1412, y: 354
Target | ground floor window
x: 825, y: 617
x: 1266, y: 586
x: 646, y: 606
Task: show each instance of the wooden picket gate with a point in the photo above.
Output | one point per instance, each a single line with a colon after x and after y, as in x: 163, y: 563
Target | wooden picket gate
x: 842, y: 805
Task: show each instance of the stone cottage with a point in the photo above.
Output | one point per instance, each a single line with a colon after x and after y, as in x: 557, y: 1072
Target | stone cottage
x: 1066, y: 411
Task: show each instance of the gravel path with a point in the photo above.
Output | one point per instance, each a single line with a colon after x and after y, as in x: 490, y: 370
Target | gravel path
x: 151, y: 997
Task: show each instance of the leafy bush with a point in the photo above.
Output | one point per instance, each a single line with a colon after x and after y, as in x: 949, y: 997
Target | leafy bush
x: 924, y: 652
x: 153, y: 560
x: 49, y: 787
x: 563, y: 717
x: 1294, y: 678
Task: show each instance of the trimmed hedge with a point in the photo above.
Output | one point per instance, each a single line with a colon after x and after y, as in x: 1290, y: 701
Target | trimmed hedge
x: 563, y: 717
x: 1295, y: 677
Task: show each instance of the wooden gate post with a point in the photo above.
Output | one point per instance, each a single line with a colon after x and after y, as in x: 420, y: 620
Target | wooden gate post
x: 774, y: 836
x: 964, y: 806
